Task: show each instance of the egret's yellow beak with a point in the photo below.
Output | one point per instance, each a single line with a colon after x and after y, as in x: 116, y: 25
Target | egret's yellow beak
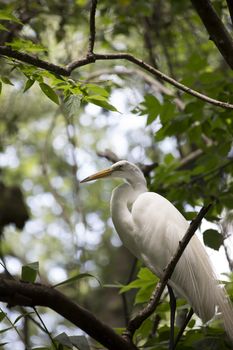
x: 99, y: 175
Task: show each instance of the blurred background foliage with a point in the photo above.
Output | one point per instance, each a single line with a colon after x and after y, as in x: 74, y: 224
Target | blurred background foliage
x: 54, y: 131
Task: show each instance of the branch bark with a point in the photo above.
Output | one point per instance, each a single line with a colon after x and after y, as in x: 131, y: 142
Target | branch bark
x: 92, y: 27
x: 216, y: 29
x: 136, y: 322
x: 20, y: 293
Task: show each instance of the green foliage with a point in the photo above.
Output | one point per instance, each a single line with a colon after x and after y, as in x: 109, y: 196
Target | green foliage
x: 44, y: 148
x: 26, y: 45
x: 30, y: 271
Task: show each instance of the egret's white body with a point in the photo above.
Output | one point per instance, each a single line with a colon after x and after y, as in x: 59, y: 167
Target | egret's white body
x: 151, y: 228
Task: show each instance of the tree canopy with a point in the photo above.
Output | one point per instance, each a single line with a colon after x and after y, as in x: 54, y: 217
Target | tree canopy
x: 84, y: 84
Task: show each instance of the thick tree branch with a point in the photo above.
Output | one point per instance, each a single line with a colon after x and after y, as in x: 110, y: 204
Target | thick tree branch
x: 216, y: 29
x: 136, y: 322
x: 28, y: 294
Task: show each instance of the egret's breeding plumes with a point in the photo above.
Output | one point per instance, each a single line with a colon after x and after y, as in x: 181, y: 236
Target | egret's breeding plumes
x: 151, y: 228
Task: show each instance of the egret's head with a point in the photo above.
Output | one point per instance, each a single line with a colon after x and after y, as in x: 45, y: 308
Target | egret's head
x: 122, y: 169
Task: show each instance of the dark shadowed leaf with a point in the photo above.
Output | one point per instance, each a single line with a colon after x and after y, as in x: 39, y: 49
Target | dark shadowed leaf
x: 63, y: 339
x: 213, y: 239
x: 7, y: 81
x: 28, y: 84
x: 80, y: 342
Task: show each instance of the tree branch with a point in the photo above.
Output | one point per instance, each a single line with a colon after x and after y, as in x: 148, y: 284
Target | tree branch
x: 66, y: 71
x: 136, y: 322
x: 216, y: 29
x: 230, y: 8
x: 34, y: 61
x: 92, y: 27
x: 33, y: 294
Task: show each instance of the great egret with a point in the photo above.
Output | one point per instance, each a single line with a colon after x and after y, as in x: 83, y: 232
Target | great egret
x: 151, y: 228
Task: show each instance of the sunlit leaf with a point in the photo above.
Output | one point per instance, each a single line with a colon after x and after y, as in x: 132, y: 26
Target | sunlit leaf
x: 2, y: 27
x: 76, y: 278
x: 96, y: 90
x: 49, y: 92
x: 7, y: 16
x: 26, y: 45
x: 101, y: 102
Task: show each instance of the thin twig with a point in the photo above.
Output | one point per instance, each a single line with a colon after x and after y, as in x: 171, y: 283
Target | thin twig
x: 45, y: 328
x: 92, y: 27
x: 136, y: 322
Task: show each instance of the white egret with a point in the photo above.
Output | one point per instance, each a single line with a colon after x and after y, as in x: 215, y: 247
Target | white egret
x: 151, y: 228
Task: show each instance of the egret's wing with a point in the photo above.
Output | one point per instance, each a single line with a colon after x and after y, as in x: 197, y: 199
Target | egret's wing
x: 159, y: 227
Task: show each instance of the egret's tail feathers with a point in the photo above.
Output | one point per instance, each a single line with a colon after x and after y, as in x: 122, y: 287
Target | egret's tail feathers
x: 226, y: 309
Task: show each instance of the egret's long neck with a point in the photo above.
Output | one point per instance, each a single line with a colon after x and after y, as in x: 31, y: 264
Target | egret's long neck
x: 122, y: 200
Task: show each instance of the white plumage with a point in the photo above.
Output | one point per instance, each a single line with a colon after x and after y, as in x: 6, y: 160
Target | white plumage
x: 151, y: 228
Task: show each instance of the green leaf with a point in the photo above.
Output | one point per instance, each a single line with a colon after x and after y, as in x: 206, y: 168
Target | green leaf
x: 2, y: 27
x: 227, y: 200
x: 76, y: 278
x: 96, y: 90
x: 100, y: 101
x: 26, y: 45
x: 8, y: 16
x: 150, y: 106
x: 167, y: 112
x: 2, y: 315
x: 63, y: 339
x: 80, y: 341
x: 7, y: 81
x: 49, y: 92
x: 72, y: 104
x: 213, y: 239
x: 146, y: 275
x: 28, y: 84
x: 29, y: 272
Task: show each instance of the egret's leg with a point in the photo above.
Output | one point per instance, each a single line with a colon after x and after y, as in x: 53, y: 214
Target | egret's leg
x: 181, y: 331
x: 172, y: 316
